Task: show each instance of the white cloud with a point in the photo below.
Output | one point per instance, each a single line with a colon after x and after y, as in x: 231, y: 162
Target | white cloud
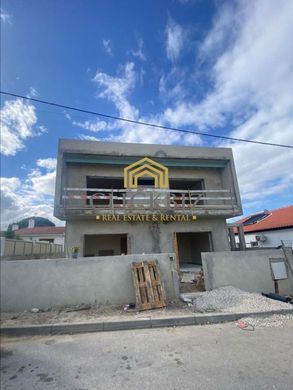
x: 94, y: 126
x: 89, y: 138
x: 18, y: 123
x: 139, y: 52
x: 31, y: 196
x: 5, y: 17
x: 48, y: 163
x: 117, y: 90
x: 32, y: 92
x: 172, y: 85
x: 175, y: 36
x: 252, y: 77
x: 108, y: 46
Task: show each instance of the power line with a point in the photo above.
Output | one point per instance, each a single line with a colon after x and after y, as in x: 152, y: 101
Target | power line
x: 145, y: 123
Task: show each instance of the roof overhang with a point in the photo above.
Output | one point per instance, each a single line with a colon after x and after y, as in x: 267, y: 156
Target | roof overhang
x: 74, y: 158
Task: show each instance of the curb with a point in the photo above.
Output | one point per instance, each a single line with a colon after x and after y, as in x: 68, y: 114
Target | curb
x: 105, y: 326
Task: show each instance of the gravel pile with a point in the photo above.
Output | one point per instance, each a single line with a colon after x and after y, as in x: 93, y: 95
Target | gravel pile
x: 274, y: 321
x: 233, y: 300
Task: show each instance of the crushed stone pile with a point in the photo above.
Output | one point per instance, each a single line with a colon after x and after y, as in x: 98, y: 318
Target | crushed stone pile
x: 230, y: 299
x: 274, y: 321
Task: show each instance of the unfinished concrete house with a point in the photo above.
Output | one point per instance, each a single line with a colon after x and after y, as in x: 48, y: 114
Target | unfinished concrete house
x: 135, y: 198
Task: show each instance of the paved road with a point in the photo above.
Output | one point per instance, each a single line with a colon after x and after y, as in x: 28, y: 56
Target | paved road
x: 197, y: 357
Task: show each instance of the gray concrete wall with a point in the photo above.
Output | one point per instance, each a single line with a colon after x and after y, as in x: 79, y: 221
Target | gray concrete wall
x: 146, y: 237
x: 93, y: 280
x: 247, y: 270
x: 74, y: 175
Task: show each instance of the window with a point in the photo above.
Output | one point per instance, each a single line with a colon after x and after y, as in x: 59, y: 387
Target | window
x: 100, y: 183
x: 146, y: 182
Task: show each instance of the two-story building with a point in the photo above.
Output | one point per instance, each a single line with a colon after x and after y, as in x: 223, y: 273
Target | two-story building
x: 135, y: 198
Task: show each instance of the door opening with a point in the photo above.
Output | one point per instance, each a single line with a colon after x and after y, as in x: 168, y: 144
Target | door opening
x: 188, y: 248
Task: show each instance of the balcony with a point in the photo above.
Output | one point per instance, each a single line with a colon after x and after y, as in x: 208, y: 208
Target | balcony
x: 78, y: 202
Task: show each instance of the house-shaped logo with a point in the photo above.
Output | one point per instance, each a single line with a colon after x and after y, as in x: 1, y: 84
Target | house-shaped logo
x: 146, y: 168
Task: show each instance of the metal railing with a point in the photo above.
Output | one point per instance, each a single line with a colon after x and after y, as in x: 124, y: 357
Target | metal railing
x: 147, y: 199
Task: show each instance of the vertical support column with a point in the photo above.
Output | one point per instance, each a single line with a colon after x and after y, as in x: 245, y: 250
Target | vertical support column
x: 232, y: 238
x: 242, y: 243
x: 2, y: 246
x: 129, y: 244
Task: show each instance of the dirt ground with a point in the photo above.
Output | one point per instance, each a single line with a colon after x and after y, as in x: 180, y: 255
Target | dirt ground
x: 98, y: 313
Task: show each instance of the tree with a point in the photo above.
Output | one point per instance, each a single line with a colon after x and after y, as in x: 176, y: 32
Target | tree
x: 9, y: 234
x: 39, y: 222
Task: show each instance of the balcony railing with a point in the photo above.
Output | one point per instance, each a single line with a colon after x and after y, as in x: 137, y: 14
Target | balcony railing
x: 98, y: 201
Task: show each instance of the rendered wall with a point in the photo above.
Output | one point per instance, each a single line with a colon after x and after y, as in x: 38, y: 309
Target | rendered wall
x: 248, y: 270
x: 102, y: 280
x: 145, y: 237
x: 74, y: 174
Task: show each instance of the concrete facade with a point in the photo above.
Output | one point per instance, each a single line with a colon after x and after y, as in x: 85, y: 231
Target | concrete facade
x: 211, y: 168
x: 248, y: 270
x: 49, y: 283
x: 147, y: 237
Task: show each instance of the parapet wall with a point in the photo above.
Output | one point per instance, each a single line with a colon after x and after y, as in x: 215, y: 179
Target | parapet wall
x: 247, y: 270
x: 49, y: 283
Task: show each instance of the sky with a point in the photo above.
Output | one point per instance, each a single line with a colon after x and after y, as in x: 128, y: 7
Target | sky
x: 221, y: 67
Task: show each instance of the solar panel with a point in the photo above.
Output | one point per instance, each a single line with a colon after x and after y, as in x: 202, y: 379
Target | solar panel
x: 255, y: 218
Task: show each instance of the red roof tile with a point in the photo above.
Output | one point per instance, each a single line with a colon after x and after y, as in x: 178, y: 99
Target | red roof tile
x: 41, y: 230
x: 276, y: 219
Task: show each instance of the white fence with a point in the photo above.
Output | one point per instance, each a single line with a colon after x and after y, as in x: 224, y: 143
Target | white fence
x: 15, y: 248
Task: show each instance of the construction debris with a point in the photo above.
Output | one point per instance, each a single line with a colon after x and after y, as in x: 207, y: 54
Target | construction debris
x: 78, y: 308
x: 233, y: 300
x: 191, y: 296
x: 274, y: 321
x: 149, y: 289
x: 129, y: 306
x: 278, y: 297
x: 244, y: 325
x: 188, y: 277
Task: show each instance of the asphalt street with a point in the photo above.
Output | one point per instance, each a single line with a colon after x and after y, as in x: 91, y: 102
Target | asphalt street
x: 193, y: 357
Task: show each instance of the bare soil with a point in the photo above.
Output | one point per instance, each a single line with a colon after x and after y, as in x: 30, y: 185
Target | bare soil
x: 98, y: 313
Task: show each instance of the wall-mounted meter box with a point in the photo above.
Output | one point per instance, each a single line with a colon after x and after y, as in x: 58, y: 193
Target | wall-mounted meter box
x: 278, y: 269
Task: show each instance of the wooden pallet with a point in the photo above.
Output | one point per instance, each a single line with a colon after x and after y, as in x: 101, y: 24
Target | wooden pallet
x: 149, y: 290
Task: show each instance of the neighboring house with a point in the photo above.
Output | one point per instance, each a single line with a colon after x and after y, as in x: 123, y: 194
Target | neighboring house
x: 268, y: 228
x: 136, y: 198
x: 53, y: 234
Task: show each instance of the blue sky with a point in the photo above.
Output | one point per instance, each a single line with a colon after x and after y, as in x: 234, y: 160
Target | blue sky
x: 223, y: 67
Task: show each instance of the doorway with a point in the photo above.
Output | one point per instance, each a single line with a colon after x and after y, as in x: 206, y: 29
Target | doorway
x: 188, y: 248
